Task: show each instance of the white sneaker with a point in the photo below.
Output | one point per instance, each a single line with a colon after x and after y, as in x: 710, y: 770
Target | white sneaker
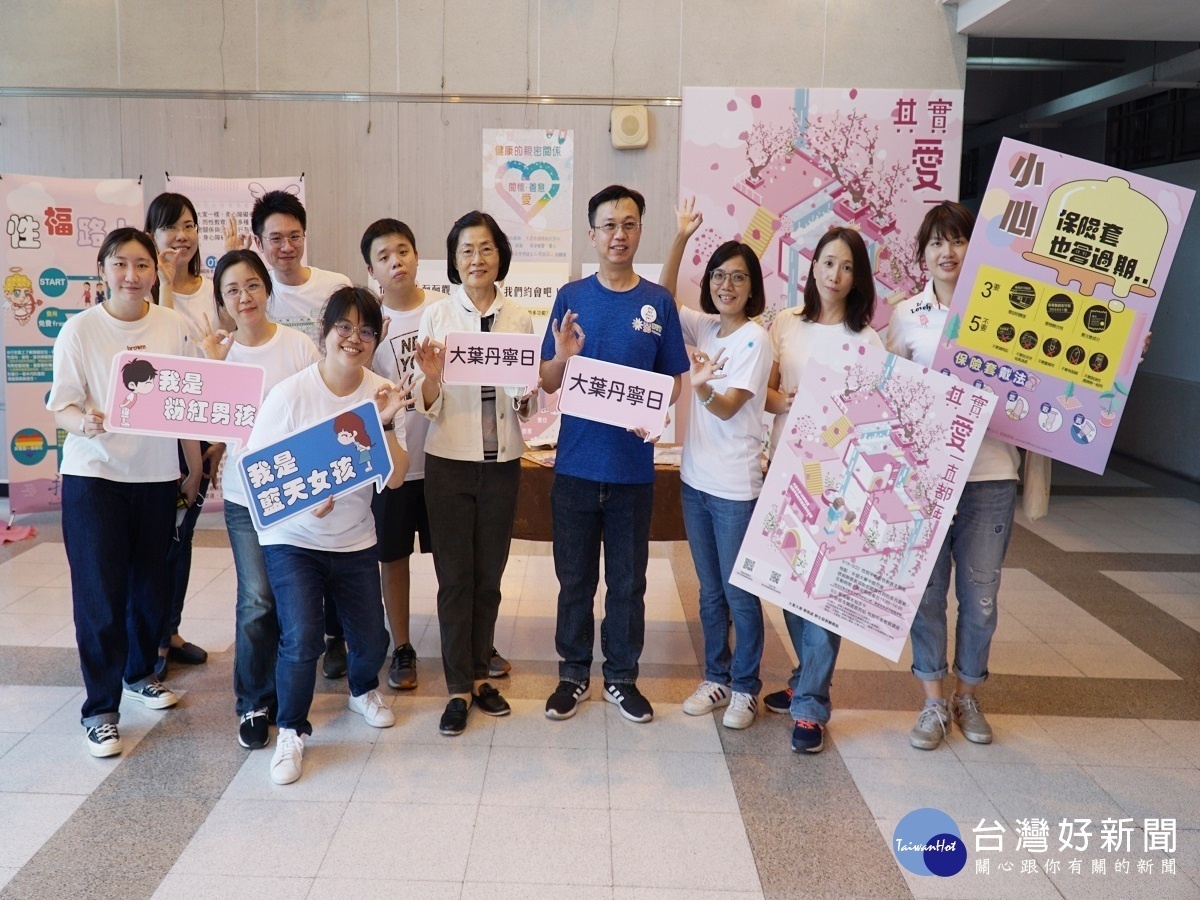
x: 289, y: 755
x: 372, y: 708
x: 708, y: 696
x: 741, y: 711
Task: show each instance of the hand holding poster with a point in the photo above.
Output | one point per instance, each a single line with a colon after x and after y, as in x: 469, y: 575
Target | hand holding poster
x: 493, y: 358
x: 1058, y: 289
x: 615, y: 394
x: 338, y: 455
x: 858, y: 498
x: 183, y: 397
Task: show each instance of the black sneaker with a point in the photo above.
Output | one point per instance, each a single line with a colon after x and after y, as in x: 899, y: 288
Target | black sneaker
x: 402, y: 676
x: 629, y: 700
x: 565, y: 700
x: 498, y: 666
x: 779, y: 701
x: 252, y: 730
x: 808, y: 737
x: 153, y: 694
x: 489, y: 701
x: 334, y: 664
x: 454, y: 719
x: 103, y: 740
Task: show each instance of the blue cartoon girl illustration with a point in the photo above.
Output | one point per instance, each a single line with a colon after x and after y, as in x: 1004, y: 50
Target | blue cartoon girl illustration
x: 351, y: 429
x: 138, y: 377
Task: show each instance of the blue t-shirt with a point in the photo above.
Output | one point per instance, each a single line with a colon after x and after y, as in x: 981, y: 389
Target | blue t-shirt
x: 612, y: 324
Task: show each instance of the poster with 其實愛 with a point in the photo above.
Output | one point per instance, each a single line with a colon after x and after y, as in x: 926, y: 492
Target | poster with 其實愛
x: 775, y: 168
x: 1058, y: 289
x: 527, y: 184
x: 858, y: 499
x: 53, y: 231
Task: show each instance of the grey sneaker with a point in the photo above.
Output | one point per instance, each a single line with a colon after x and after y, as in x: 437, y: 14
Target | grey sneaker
x: 931, y: 726
x: 969, y: 719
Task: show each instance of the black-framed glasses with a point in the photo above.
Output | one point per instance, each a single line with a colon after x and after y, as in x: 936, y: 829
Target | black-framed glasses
x: 738, y: 279
x: 366, y: 333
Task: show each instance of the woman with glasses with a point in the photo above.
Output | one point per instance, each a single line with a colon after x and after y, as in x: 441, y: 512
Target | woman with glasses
x: 330, y: 549
x: 722, y: 468
x: 472, y: 465
x: 243, y: 293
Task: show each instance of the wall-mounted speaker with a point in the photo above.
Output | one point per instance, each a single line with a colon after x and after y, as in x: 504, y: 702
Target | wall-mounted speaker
x: 630, y: 127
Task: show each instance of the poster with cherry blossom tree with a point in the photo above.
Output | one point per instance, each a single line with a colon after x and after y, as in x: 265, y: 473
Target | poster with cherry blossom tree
x: 777, y: 167
x: 855, y: 506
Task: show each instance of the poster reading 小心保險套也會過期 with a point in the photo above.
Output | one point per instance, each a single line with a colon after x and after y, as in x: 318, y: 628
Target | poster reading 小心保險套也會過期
x: 1063, y: 274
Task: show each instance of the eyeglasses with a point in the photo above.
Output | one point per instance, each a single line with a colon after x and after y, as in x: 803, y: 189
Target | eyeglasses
x: 468, y: 253
x: 187, y: 228
x: 366, y: 333
x: 717, y: 278
x: 278, y: 240
x: 611, y: 228
x: 251, y: 289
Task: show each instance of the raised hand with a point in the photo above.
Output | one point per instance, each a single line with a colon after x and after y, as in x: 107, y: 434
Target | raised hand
x: 707, y: 368
x: 215, y: 343
x: 568, y: 340
x: 166, y: 265
x: 430, y: 356
x: 687, y: 218
x: 233, y: 240
x: 392, y: 400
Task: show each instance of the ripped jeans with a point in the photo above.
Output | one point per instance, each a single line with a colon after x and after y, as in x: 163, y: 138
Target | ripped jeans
x: 977, y: 542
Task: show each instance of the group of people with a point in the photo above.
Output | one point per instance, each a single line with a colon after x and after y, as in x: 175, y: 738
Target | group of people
x: 320, y: 584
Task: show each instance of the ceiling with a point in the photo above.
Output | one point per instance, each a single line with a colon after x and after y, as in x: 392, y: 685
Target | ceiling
x: 1126, y: 20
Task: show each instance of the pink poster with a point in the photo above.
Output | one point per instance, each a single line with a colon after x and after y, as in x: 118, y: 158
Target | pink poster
x: 858, y: 498
x: 777, y: 167
x: 1058, y: 289
x: 615, y: 395
x: 183, y: 397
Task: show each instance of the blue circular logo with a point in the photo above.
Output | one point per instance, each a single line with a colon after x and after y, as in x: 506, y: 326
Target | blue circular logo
x: 928, y: 842
x: 210, y: 262
x: 53, y: 282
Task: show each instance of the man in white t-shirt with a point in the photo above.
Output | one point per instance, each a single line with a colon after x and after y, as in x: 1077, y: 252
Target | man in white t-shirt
x: 298, y: 294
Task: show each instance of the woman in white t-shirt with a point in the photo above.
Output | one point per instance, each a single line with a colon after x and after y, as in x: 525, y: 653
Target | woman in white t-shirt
x: 978, y: 537
x: 243, y: 291
x: 839, y: 299
x: 118, y: 491
x: 331, y: 549
x: 171, y: 221
x: 722, y: 461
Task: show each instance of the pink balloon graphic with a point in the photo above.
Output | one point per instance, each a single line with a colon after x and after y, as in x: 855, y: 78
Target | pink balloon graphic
x: 755, y: 101
x: 730, y: 209
x: 715, y: 166
x: 731, y: 105
x: 853, y: 93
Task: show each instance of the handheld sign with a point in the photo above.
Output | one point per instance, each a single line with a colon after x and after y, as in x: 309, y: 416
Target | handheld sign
x: 492, y: 357
x: 338, y: 455
x: 615, y: 394
x: 182, y: 397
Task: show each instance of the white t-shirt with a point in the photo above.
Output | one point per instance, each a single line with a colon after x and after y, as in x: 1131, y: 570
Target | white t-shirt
x: 193, y: 308
x: 394, y: 359
x: 300, y: 305
x: 724, y: 458
x: 296, y: 403
x: 913, y: 332
x: 286, y: 353
x: 793, y: 340
x: 83, y: 355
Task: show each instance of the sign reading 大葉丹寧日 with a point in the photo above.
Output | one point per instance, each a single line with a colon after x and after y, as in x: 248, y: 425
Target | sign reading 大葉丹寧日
x: 615, y: 395
x: 492, y: 357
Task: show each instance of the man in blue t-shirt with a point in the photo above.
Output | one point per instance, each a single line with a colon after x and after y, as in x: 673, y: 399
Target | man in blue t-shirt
x: 604, y: 475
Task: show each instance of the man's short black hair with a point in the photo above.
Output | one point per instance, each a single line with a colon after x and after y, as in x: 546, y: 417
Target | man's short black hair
x: 611, y: 194
x: 382, y: 228
x: 273, y: 202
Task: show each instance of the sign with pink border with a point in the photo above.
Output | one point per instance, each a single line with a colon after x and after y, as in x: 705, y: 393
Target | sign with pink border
x: 183, y: 397
x: 615, y: 395
x: 492, y: 357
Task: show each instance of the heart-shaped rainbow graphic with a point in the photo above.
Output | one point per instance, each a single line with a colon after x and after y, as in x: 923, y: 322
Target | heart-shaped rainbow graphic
x: 525, y: 171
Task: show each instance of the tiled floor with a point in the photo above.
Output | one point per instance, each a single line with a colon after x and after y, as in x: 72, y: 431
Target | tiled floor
x: 1094, y: 699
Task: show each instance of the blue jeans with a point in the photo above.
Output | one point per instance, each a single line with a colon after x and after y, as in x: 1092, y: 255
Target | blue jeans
x: 116, y: 536
x: 584, y: 514
x: 977, y: 541
x: 715, y: 529
x: 301, y: 579
x: 817, y: 652
x: 179, y: 557
x: 256, y: 643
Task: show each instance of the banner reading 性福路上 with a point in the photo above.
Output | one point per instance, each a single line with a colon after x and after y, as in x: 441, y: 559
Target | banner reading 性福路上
x: 53, y: 231
x: 1059, y: 286
x: 856, y: 504
x: 527, y: 182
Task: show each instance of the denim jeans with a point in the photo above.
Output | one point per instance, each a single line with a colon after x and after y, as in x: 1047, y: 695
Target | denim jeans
x: 715, y: 529
x: 116, y: 536
x: 256, y: 641
x: 817, y: 652
x: 179, y: 557
x: 977, y: 541
x: 300, y: 579
x: 584, y: 514
x: 471, y: 508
